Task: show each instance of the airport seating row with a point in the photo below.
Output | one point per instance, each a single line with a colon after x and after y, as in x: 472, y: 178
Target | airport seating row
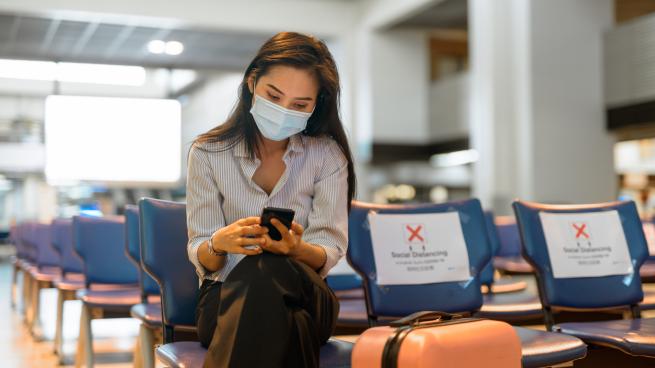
x: 136, y: 265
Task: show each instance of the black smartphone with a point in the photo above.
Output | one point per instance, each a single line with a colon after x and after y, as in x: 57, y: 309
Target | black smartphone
x: 284, y: 215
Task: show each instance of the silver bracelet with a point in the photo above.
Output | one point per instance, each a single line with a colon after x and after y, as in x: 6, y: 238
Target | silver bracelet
x: 211, y: 248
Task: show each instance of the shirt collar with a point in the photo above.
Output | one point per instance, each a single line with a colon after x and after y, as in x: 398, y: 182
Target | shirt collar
x: 296, y: 144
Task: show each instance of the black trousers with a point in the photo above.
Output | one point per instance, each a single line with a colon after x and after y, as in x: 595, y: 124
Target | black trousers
x: 271, y: 311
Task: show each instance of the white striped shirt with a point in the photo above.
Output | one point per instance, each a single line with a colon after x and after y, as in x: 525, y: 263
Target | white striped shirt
x: 220, y: 191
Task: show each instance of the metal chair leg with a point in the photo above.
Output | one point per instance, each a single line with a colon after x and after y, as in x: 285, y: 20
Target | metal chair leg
x: 23, y: 291
x: 79, y: 355
x: 24, y: 294
x: 137, y: 360
x: 27, y: 292
x: 146, y: 344
x: 35, y: 321
x: 85, y: 340
x: 14, y: 284
x: 59, y: 325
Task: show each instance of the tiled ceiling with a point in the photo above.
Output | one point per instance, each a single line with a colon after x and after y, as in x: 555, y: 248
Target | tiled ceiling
x: 40, y: 38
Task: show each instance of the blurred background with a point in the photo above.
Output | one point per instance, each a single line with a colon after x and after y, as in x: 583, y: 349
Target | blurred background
x: 543, y: 100
x: 546, y: 100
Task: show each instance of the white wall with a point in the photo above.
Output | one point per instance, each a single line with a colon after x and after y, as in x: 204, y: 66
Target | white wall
x: 449, y: 108
x: 400, y: 86
x: 208, y: 107
x: 573, y: 152
x: 498, y: 100
x: 537, y: 110
x: 37, y: 200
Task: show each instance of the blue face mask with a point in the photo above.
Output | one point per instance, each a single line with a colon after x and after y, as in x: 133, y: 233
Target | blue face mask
x: 276, y: 122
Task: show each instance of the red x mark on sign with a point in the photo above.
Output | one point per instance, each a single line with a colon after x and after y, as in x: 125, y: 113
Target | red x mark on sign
x: 414, y: 233
x: 580, y: 231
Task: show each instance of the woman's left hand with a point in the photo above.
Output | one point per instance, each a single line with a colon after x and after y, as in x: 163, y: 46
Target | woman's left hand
x: 291, y: 239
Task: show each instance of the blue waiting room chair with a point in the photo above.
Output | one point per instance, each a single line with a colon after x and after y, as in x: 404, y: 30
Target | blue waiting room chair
x: 634, y: 336
x: 506, y: 298
x: 508, y: 259
x: 540, y: 349
x: 20, y: 262
x: 348, y: 289
x: 647, y: 271
x: 28, y: 241
x: 148, y: 312
x: 71, y: 279
x: 72, y: 276
x: 487, y: 275
x: 110, y: 278
x: 164, y: 257
x: 26, y: 259
x: 43, y: 272
x: 345, y: 286
x: 513, y: 305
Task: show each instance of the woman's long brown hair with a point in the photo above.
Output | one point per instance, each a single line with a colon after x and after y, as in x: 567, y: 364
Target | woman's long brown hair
x: 299, y: 51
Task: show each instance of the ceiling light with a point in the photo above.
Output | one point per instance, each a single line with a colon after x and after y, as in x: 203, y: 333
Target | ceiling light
x: 174, y: 47
x: 456, y: 158
x: 157, y: 46
x: 123, y: 75
x: 27, y: 69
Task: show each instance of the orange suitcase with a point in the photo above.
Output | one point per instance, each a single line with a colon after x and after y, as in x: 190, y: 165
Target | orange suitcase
x: 438, y: 339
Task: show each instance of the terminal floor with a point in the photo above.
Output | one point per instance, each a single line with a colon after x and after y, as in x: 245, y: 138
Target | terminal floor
x: 114, y: 338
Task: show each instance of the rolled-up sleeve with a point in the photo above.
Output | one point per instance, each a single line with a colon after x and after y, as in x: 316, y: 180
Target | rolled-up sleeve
x: 327, y: 224
x: 204, y: 205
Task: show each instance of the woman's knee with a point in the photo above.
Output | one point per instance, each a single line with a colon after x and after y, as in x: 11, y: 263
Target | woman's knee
x: 264, y: 265
x: 269, y: 270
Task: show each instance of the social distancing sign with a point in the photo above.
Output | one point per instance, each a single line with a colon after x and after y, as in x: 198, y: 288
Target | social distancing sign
x: 586, y: 244
x: 418, y: 248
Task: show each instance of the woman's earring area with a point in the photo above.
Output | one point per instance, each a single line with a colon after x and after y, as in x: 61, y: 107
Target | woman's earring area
x: 251, y: 85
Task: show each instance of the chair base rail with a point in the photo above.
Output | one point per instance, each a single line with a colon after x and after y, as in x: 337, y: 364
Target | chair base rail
x: 605, y: 357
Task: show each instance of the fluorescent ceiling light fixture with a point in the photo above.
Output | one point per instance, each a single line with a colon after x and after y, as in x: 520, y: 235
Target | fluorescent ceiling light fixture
x: 27, y: 69
x: 173, y: 48
x: 122, y: 75
x: 156, y: 46
x: 108, y: 139
x: 456, y: 158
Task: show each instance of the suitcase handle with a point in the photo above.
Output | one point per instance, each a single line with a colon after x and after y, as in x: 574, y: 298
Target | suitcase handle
x: 424, y: 316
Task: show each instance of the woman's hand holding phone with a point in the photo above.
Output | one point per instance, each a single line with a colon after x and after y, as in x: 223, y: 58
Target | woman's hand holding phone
x: 242, y: 233
x: 290, y: 242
